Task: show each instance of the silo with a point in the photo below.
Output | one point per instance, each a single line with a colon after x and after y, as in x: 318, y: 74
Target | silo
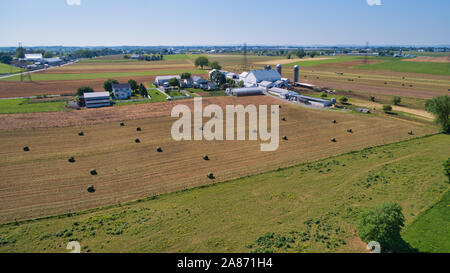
x: 279, y: 68
x: 296, y: 73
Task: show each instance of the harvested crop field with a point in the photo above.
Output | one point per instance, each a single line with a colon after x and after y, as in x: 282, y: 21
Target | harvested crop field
x: 42, y: 182
x: 442, y: 59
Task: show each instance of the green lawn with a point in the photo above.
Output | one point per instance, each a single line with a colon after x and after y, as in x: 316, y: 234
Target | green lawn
x: 311, y: 207
x: 398, y: 65
x: 332, y: 59
x: 85, y: 76
x: 7, y: 69
x: 431, y: 231
x: 156, y: 95
x: 9, y: 106
x: 175, y: 93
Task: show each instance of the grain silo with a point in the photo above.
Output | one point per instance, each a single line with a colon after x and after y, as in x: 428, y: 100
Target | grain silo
x: 296, y: 73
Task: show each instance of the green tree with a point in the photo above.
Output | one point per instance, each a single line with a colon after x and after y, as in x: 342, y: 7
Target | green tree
x: 313, y: 54
x: 323, y: 95
x: 20, y: 52
x: 126, y: 57
x: 218, y: 78
x: 48, y: 54
x: 173, y: 82
x: 201, y: 61
x: 142, y: 90
x: 397, y: 100
x: 84, y: 89
x: 215, y: 65
x: 382, y: 224
x: 300, y: 53
x: 107, y: 85
x: 440, y: 107
x: 446, y: 166
x: 343, y: 100
x: 185, y: 75
x: 387, y: 108
x: 133, y: 84
x: 241, y: 84
x: 5, y: 58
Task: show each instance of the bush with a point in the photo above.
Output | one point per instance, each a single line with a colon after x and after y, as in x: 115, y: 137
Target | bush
x: 396, y: 100
x: 382, y: 224
x: 387, y: 108
x: 26, y: 148
x: 93, y: 171
x: 446, y: 167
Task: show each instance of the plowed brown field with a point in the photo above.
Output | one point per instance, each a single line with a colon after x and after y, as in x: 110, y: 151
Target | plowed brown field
x: 42, y: 182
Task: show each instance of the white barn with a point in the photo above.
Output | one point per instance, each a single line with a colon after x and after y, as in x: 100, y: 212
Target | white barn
x: 96, y: 99
x: 254, y: 77
x: 33, y: 57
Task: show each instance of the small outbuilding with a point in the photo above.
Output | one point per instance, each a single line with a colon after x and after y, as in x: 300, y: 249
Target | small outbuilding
x: 96, y: 99
x: 245, y: 91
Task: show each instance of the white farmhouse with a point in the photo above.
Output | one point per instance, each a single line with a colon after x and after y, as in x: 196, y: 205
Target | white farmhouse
x: 121, y: 91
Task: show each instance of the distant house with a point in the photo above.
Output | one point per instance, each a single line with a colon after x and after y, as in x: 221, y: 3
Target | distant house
x: 164, y: 80
x: 121, y: 91
x: 33, y: 57
x: 53, y: 61
x: 254, y: 77
x: 96, y: 99
x: 198, y: 81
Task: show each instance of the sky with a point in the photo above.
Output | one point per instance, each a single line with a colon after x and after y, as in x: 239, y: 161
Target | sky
x: 224, y: 22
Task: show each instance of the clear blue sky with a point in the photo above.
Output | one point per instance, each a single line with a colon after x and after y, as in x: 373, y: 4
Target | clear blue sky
x: 224, y: 22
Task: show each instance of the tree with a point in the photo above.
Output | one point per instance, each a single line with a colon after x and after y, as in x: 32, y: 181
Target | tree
x: 185, y: 75
x: 142, y: 90
x: 215, y: 65
x: 5, y: 58
x: 382, y: 224
x: 343, y: 100
x: 387, y: 108
x: 323, y: 95
x: 107, y: 85
x: 440, y: 107
x: 84, y: 89
x: 201, y: 61
x: 48, y: 54
x: 133, y: 84
x: 218, y: 78
x: 396, y: 100
x: 300, y: 53
x: 173, y: 82
x: 312, y: 54
x: 241, y: 84
x: 446, y: 166
x: 126, y: 57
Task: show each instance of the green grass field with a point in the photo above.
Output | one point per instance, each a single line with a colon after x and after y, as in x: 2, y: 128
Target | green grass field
x: 311, y: 207
x: 156, y: 95
x: 7, y: 69
x: 86, y: 76
x: 9, y: 106
x: 397, y: 65
x: 431, y: 231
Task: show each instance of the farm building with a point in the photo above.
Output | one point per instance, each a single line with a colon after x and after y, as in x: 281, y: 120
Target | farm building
x: 121, y: 91
x: 266, y: 84
x: 243, y: 75
x: 53, y: 61
x: 96, y: 99
x: 312, y: 100
x: 246, y: 91
x: 305, y: 85
x: 282, y: 93
x: 33, y: 57
x: 255, y: 77
x: 198, y: 81
x: 232, y: 76
x: 164, y: 80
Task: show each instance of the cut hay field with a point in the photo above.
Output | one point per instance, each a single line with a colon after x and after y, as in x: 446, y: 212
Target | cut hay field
x: 30, y: 106
x: 8, y: 69
x: 313, y: 206
x: 42, y: 182
x: 400, y: 65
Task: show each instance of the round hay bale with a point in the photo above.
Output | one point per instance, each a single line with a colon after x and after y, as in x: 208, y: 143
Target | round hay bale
x: 81, y: 133
x: 411, y: 133
x: 350, y: 130
x: 206, y: 157
x: 333, y: 139
x: 122, y: 124
x: 285, y: 138
x: 71, y: 159
x: 385, y: 82
x: 283, y: 119
x: 279, y: 106
x: 94, y: 172
x: 210, y: 175
x: 26, y: 148
x: 138, y: 129
x: 334, y: 121
x: 137, y: 140
x: 91, y: 189
x: 159, y: 150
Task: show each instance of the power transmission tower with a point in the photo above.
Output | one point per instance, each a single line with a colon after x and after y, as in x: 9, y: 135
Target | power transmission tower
x: 244, y: 60
x: 366, y: 58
